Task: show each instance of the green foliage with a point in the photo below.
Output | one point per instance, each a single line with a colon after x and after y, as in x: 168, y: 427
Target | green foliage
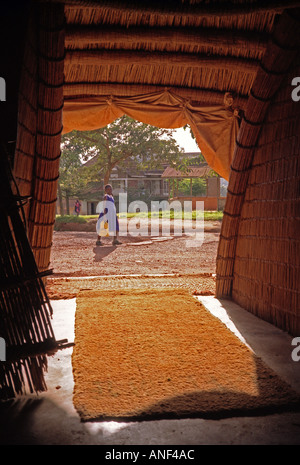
x: 213, y: 215
x: 70, y: 178
x: 208, y: 215
x: 185, y: 163
x: 187, y: 128
x: 198, y: 187
x: 82, y: 219
x: 123, y: 141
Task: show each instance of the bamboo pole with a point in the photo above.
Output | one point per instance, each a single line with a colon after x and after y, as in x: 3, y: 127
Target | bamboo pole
x: 25, y: 309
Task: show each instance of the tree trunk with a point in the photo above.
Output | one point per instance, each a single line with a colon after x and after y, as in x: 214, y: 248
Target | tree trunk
x: 67, y: 204
x: 106, y: 177
x: 60, y: 199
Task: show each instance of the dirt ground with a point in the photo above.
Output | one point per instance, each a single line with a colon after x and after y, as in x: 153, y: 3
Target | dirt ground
x: 75, y: 257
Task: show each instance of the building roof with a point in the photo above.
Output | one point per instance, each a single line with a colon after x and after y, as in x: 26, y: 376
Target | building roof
x: 193, y: 172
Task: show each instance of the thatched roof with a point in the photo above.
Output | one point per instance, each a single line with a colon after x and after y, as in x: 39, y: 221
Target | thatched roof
x: 190, y: 62
x: 205, y: 52
x: 192, y: 172
x: 201, y: 51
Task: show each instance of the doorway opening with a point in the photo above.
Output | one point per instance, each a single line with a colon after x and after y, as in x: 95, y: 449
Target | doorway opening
x: 146, y: 179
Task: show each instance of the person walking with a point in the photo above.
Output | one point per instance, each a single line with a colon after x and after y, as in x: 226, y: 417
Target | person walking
x: 108, y: 223
x: 77, y: 207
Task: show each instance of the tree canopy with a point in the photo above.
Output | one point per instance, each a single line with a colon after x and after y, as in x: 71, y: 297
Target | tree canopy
x: 105, y: 148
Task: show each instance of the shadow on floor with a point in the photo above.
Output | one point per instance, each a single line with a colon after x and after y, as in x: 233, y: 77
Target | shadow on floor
x: 50, y: 419
x: 102, y: 251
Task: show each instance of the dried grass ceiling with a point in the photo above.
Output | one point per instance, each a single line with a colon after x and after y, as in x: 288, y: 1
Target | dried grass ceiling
x: 201, y: 49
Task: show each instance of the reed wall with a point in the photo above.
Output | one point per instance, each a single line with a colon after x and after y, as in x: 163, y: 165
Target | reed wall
x: 28, y: 206
x: 267, y: 268
x: 36, y: 165
x: 27, y: 115
x: 258, y: 254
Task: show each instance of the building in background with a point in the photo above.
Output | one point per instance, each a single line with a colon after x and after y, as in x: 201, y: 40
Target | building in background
x: 198, y: 183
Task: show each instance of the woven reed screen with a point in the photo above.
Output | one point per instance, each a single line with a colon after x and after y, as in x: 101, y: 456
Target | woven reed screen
x: 25, y: 310
x: 25, y: 239
x: 258, y: 255
x: 267, y: 269
x: 37, y: 156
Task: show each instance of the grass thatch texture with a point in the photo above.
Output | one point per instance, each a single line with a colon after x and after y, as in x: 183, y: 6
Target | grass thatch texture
x: 146, y: 354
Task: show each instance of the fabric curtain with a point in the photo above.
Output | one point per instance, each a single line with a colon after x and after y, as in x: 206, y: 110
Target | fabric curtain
x: 214, y: 127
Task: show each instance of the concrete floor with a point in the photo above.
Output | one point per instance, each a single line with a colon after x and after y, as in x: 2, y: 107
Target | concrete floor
x: 50, y: 418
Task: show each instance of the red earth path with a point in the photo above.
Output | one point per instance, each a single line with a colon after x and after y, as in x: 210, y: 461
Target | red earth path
x: 77, y: 262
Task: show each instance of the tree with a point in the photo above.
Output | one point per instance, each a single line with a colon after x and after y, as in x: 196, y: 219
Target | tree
x: 198, y: 186
x: 70, y: 178
x: 149, y: 147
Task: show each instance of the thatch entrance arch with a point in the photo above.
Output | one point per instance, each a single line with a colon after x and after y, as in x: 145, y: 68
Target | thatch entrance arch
x: 238, y: 58
x: 258, y: 258
x: 81, y: 54
x: 186, y: 64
